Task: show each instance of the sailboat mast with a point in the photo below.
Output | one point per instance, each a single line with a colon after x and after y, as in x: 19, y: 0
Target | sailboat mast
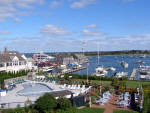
x: 98, y: 54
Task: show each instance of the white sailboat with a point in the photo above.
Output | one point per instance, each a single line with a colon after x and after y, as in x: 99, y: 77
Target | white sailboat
x: 100, y: 70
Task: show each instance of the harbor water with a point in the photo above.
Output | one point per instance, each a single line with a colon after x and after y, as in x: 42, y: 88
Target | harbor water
x: 113, y: 61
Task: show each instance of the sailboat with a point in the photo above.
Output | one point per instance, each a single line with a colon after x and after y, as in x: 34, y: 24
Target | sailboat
x: 100, y: 70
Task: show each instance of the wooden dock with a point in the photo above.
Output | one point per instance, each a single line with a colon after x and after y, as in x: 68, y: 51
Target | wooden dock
x: 133, y: 74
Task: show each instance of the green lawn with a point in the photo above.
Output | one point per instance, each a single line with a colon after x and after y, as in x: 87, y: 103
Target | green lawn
x: 90, y: 110
x: 102, y: 82
x: 129, y: 83
x: 124, y: 111
x: 135, y: 83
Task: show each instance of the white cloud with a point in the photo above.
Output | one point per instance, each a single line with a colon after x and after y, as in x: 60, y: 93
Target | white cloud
x: 86, y: 32
x: 36, y: 44
x: 9, y: 8
x: 82, y: 3
x: 2, y: 32
x: 51, y: 30
x: 17, y: 20
x: 54, y: 4
x: 92, y: 26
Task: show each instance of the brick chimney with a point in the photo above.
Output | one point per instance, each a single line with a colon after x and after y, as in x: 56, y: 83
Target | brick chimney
x: 5, y: 50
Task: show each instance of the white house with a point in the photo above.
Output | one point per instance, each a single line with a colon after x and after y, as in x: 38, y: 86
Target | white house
x: 12, y: 61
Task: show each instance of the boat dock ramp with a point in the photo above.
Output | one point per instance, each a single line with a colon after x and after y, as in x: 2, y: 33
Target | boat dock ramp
x: 133, y: 74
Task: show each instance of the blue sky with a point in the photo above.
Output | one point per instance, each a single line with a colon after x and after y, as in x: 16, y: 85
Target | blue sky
x: 69, y: 25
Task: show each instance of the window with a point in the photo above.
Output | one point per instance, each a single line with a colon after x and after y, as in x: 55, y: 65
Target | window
x: 1, y: 65
x: 8, y: 64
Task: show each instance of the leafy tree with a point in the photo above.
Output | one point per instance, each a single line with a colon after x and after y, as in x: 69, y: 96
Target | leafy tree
x: 45, y: 103
x: 17, y: 110
x: 70, y: 110
x: 63, y: 103
x: 33, y: 111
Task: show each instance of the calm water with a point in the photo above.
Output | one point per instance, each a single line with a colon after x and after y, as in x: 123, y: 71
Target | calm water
x: 34, y: 90
x: 112, y: 61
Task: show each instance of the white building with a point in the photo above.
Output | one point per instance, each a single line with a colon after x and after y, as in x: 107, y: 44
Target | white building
x: 42, y: 57
x: 12, y: 61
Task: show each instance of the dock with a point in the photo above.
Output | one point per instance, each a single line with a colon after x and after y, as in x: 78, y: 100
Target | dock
x: 70, y: 71
x: 75, y: 70
x: 133, y: 74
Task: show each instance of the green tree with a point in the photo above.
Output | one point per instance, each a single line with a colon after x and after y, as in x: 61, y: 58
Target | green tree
x: 33, y: 111
x: 114, y: 82
x: 45, y: 103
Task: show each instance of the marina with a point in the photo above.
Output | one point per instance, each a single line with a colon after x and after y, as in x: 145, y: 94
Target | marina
x: 74, y: 56
x: 112, y: 61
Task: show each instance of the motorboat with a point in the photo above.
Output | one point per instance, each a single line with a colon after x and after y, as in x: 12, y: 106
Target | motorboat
x: 124, y: 64
x: 144, y: 70
x: 140, y: 62
x: 120, y: 74
x: 111, y: 69
x: 46, y: 69
x: 145, y: 77
x: 142, y: 56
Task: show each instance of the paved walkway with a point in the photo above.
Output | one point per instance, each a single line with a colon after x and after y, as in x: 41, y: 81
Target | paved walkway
x: 110, y: 105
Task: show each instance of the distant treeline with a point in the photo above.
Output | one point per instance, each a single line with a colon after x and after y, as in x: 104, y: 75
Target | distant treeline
x: 118, y: 52
x: 94, y: 53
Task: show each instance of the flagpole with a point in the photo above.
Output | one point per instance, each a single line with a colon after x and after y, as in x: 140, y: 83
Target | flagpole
x: 87, y: 72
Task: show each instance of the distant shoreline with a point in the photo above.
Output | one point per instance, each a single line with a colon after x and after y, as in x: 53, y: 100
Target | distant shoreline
x: 133, y: 52
x: 101, y: 53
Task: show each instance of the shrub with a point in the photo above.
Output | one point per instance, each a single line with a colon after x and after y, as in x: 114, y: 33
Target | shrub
x: 63, y: 104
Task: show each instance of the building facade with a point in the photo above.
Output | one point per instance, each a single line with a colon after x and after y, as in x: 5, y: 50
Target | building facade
x: 13, y: 61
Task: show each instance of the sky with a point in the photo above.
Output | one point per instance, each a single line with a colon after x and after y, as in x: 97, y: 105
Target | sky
x: 70, y: 25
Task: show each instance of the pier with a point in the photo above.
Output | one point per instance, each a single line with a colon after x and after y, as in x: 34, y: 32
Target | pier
x: 133, y: 74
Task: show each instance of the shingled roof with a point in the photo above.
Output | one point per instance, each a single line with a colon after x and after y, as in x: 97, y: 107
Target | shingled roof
x: 7, y: 56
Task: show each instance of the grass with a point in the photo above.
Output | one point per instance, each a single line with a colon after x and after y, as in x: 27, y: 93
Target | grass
x: 90, y: 110
x: 128, y: 83
x: 102, y: 82
x: 136, y: 83
x: 124, y: 111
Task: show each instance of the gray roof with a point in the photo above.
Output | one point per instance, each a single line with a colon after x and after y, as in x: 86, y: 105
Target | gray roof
x: 8, y: 56
x: 61, y: 93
